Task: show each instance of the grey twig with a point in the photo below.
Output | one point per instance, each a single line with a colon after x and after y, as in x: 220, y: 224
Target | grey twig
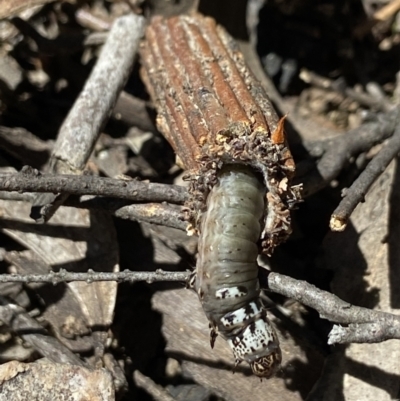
x: 356, y: 193
x: 91, y: 276
x: 364, y: 325
x: 30, y: 180
x: 154, y: 213
x: 384, y: 328
x: 336, y: 152
x: 82, y: 126
x: 34, y: 334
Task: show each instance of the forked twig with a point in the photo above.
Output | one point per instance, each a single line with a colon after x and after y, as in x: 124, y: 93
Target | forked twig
x: 335, y: 153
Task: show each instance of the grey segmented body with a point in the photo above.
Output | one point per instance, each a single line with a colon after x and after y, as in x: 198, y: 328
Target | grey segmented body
x: 226, y: 272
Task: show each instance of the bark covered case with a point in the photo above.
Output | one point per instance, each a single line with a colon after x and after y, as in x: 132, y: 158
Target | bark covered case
x: 228, y: 137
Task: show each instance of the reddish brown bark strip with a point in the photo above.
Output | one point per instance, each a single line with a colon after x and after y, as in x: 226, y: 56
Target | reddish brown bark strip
x: 214, y: 112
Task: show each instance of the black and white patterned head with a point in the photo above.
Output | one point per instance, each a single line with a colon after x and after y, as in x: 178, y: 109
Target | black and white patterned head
x: 266, y: 366
x: 257, y: 344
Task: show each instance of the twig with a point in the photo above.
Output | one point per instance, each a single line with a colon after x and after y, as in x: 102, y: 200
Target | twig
x: 356, y: 193
x: 154, y: 213
x: 91, y: 276
x: 365, y: 325
x: 129, y: 109
x: 372, y: 326
x: 95, y: 39
x: 156, y: 391
x: 81, y: 128
x: 34, y: 334
x: 387, y: 10
x: 89, y: 20
x: 30, y: 180
x: 383, y: 14
x: 163, y: 215
x: 337, y: 152
x: 382, y: 329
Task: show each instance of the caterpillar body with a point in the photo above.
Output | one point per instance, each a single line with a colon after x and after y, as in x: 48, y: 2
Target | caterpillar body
x: 226, y: 272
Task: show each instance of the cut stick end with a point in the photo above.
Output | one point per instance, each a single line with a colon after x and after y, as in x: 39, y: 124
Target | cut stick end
x: 337, y: 224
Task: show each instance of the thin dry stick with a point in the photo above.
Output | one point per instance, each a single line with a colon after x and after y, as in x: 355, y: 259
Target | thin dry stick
x: 89, y: 20
x: 383, y: 14
x: 364, y: 325
x: 387, y: 11
x: 81, y: 128
x: 90, y: 276
x: 337, y: 152
x: 356, y: 193
x: 384, y: 328
x: 156, y: 391
x: 30, y: 180
x: 154, y: 213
